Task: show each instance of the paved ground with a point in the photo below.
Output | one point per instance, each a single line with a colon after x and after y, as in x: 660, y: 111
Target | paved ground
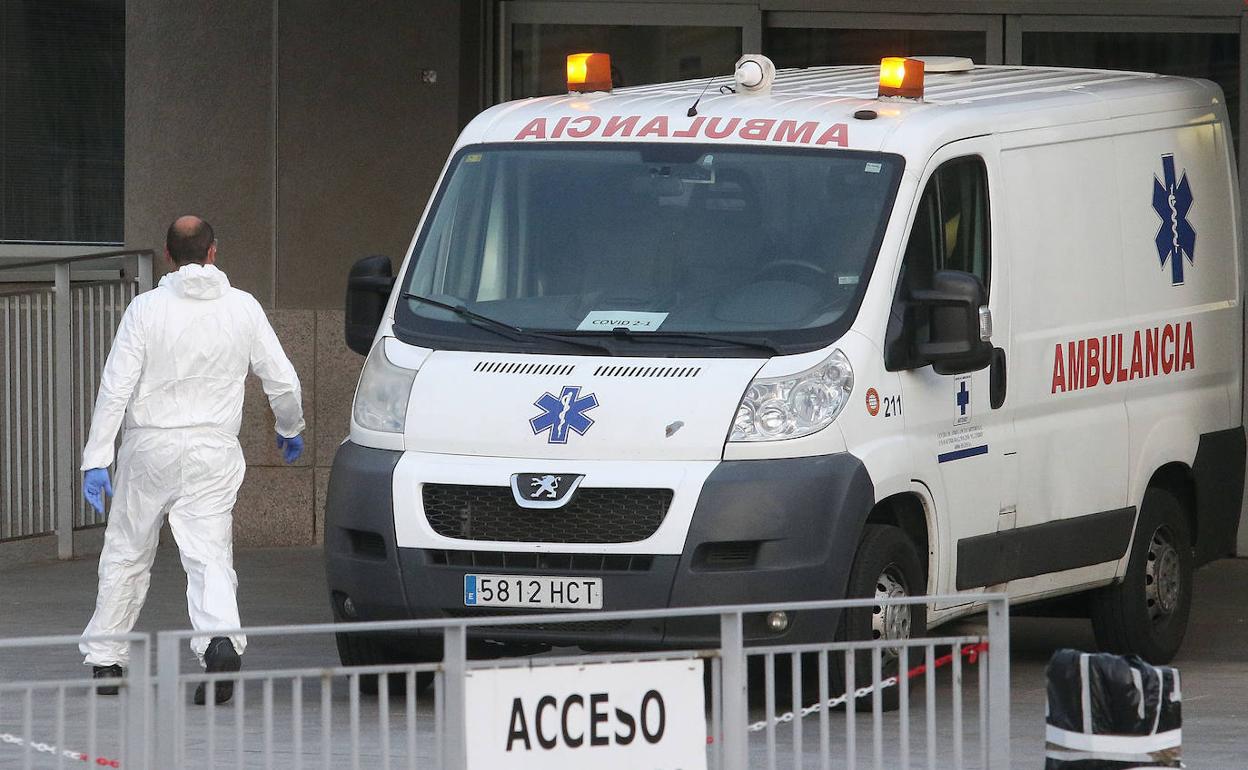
x: 287, y: 586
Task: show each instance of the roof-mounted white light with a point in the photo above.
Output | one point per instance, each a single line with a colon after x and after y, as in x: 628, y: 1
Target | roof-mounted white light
x: 945, y: 63
x: 754, y: 74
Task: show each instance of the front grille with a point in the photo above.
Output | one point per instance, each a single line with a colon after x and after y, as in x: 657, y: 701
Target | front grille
x: 594, y: 515
x: 546, y: 562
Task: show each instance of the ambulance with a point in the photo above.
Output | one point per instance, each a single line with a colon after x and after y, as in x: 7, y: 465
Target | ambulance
x: 922, y: 328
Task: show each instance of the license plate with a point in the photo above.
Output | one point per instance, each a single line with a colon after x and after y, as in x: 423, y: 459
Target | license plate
x: 561, y: 593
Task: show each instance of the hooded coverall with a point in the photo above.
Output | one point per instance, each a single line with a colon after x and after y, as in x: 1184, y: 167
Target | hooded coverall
x: 175, y: 373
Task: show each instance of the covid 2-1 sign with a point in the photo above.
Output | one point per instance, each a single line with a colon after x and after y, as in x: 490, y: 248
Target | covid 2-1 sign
x: 640, y: 715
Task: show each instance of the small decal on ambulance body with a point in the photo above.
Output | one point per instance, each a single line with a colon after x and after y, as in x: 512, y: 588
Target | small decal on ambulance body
x: 563, y: 413
x: 808, y: 132
x: 1107, y: 360
x: 873, y: 402
x: 1175, y: 238
x: 962, y: 398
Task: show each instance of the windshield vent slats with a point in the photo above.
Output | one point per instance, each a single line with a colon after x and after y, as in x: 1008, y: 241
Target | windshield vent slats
x: 514, y: 367
x: 649, y: 372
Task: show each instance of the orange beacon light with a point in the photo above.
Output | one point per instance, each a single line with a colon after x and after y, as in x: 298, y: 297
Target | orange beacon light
x: 589, y: 72
x: 901, y: 77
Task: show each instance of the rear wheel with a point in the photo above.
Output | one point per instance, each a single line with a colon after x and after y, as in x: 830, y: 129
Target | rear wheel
x: 364, y: 650
x: 886, y: 566
x: 1146, y: 614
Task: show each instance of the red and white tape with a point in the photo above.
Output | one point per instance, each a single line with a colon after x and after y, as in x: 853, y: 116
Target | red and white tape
x: 47, y: 748
x: 971, y: 652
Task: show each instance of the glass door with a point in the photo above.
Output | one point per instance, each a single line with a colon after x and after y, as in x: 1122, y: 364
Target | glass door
x: 1173, y: 45
x: 648, y: 42
x: 809, y: 39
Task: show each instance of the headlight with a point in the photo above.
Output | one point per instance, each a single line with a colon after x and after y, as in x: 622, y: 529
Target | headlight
x: 383, y: 392
x: 798, y: 405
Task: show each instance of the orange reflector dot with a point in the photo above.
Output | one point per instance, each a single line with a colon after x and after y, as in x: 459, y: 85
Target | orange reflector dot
x: 589, y: 72
x: 901, y: 77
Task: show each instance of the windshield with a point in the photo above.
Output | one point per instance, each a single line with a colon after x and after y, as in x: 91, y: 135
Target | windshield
x: 689, y: 247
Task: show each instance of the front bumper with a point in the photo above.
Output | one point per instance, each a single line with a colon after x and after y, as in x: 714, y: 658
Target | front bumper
x: 762, y: 531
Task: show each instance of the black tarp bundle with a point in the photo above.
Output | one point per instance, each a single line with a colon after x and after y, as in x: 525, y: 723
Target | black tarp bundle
x: 1111, y: 712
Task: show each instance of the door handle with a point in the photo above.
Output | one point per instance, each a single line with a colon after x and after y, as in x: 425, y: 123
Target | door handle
x: 997, y: 378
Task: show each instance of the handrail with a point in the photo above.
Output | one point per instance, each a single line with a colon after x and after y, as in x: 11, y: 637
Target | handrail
x: 9, y: 263
x: 41, y: 352
x: 142, y: 258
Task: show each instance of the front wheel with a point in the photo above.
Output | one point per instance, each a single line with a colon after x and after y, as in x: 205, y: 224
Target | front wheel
x: 1146, y: 614
x: 886, y: 566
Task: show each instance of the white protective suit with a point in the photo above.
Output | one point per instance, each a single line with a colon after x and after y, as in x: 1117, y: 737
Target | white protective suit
x: 176, y: 372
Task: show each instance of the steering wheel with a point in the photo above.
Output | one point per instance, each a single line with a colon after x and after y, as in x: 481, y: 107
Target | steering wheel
x: 788, y: 263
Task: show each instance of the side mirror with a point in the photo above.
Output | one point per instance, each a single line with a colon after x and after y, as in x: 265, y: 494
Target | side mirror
x: 952, y: 324
x: 368, y: 289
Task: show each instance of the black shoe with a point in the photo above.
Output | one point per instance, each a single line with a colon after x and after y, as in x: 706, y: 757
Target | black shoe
x: 220, y: 657
x: 107, y: 672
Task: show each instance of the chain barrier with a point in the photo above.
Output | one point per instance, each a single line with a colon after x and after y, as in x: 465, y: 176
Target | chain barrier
x: 47, y: 748
x: 971, y: 652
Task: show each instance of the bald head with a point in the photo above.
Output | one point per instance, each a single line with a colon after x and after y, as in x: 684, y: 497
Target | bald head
x: 190, y: 239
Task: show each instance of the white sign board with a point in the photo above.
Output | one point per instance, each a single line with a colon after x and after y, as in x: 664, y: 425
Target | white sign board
x: 605, y: 716
x: 606, y: 320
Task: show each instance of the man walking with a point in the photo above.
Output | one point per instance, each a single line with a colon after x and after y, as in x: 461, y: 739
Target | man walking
x: 175, y: 373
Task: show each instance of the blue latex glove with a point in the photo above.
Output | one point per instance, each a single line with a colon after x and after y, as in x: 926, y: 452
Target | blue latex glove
x: 291, y: 447
x: 95, y: 484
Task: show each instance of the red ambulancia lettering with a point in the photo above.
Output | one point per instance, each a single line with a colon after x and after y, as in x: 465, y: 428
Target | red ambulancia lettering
x: 757, y: 129
x: 581, y: 127
x: 1122, y: 369
x: 1059, y: 370
x: 662, y: 126
x: 838, y: 135
x: 654, y: 127
x: 714, y: 131
x: 1189, y: 349
x: 1137, y: 361
x: 1167, y: 357
x: 536, y: 129
x: 692, y: 130
x: 790, y: 131
x: 1109, y: 359
x: 1094, y: 361
x: 621, y: 126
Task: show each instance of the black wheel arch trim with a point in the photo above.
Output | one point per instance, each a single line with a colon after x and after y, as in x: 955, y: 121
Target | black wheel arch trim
x: 1218, y: 473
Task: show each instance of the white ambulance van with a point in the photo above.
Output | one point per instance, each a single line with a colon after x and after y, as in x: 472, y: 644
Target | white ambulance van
x: 923, y: 328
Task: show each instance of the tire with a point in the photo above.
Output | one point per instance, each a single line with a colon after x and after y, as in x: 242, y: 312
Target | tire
x: 363, y: 650
x: 886, y: 564
x: 1146, y: 614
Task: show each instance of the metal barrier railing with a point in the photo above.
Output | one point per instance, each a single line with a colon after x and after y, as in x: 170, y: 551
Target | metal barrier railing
x: 322, y: 718
x: 61, y: 721
x: 57, y: 331
x: 319, y: 717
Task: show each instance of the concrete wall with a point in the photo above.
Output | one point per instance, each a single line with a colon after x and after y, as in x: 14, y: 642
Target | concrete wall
x: 304, y: 133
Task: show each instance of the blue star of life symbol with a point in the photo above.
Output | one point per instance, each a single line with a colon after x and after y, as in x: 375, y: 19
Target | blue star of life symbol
x: 563, y: 413
x: 1176, y: 238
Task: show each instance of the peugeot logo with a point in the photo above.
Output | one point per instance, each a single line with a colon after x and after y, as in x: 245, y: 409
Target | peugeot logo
x: 544, y: 490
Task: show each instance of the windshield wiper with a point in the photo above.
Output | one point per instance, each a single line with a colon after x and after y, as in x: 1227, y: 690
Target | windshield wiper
x: 754, y: 343
x: 503, y: 328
